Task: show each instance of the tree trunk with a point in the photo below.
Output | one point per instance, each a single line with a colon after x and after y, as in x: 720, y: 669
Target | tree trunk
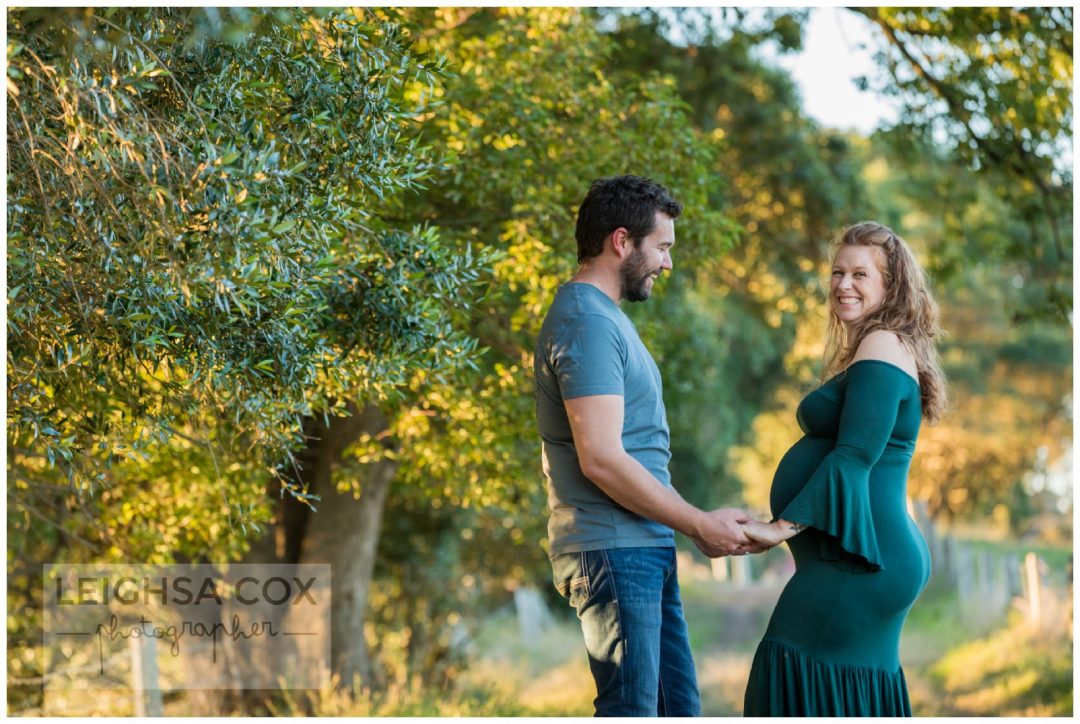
x: 344, y: 532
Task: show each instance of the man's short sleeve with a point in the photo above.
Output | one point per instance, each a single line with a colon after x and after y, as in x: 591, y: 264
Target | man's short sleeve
x: 589, y: 357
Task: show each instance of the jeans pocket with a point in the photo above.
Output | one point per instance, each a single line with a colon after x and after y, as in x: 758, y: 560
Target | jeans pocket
x: 571, y: 578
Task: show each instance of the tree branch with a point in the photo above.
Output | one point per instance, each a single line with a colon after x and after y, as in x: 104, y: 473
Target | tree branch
x: 42, y: 517
x: 957, y: 110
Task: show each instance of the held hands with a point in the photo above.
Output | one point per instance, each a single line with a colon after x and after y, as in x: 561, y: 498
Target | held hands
x: 732, y: 532
x: 720, y: 533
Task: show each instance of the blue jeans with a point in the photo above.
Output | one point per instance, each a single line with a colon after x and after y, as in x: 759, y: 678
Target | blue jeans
x: 635, y: 633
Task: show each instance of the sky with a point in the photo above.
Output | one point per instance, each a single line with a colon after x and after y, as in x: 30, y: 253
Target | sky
x: 826, y: 69
x: 837, y: 48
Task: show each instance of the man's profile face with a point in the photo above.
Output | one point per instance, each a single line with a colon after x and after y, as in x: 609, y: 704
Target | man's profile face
x: 651, y: 256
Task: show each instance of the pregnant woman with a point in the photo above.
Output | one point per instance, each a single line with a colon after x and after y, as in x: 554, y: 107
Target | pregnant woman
x: 839, y: 495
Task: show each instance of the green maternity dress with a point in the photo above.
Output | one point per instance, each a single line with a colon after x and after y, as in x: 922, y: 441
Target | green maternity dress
x: 832, y: 645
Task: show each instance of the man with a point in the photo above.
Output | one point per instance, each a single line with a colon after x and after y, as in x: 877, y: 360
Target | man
x: 606, y: 447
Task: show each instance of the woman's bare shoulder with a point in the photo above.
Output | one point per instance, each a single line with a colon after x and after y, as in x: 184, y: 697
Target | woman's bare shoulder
x: 886, y: 346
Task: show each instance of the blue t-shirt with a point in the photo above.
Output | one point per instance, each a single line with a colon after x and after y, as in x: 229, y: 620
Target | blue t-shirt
x: 588, y: 346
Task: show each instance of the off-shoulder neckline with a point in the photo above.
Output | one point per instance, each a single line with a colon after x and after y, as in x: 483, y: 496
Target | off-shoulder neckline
x: 898, y: 368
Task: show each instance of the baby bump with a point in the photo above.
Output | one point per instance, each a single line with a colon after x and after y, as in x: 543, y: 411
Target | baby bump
x: 795, y: 468
x: 905, y: 557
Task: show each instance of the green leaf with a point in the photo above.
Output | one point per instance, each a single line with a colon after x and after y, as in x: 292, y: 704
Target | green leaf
x: 284, y: 226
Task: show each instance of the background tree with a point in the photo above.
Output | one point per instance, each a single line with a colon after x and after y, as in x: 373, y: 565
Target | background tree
x: 196, y: 264
x: 992, y: 88
x: 975, y: 170
x: 1008, y: 380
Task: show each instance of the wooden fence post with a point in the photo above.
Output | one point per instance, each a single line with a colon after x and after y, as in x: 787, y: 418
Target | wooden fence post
x: 532, y: 614
x: 741, y: 575
x: 962, y: 570
x: 719, y: 568
x: 998, y: 584
x: 948, y: 559
x: 145, y: 688
x: 1013, y: 570
x: 1034, y: 587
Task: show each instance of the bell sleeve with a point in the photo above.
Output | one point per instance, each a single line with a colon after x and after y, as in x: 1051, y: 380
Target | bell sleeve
x: 836, y: 498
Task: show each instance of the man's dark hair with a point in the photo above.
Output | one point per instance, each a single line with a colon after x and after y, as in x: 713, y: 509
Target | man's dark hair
x: 630, y: 202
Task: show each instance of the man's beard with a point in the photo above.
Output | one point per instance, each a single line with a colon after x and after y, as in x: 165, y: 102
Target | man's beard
x: 633, y: 277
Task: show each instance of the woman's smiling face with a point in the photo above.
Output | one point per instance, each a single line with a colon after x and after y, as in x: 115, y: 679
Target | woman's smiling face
x: 858, y: 285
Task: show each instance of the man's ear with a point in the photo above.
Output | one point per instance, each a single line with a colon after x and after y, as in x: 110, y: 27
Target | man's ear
x: 621, y: 242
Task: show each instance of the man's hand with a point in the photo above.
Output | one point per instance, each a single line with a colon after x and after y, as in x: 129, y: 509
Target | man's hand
x: 720, y: 533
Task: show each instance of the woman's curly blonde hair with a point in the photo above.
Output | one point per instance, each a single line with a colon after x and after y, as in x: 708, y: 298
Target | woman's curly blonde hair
x: 908, y: 310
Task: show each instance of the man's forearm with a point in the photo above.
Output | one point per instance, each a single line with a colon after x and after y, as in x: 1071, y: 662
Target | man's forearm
x: 631, y: 485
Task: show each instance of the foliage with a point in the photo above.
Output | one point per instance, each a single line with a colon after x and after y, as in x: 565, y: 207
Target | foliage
x: 993, y: 88
x: 720, y: 360
x: 193, y: 230
x: 508, y: 111
x: 197, y: 260
x: 225, y: 221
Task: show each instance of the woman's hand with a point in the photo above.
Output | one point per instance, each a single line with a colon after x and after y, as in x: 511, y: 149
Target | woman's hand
x: 770, y: 534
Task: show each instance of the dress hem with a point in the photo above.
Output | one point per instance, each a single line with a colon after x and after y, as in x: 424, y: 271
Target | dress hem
x: 786, y: 682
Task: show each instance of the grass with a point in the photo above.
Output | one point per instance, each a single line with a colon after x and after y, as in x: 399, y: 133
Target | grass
x: 548, y: 676
x: 1019, y: 670
x: 404, y: 702
x: 957, y: 663
x: 963, y: 661
x: 935, y: 625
